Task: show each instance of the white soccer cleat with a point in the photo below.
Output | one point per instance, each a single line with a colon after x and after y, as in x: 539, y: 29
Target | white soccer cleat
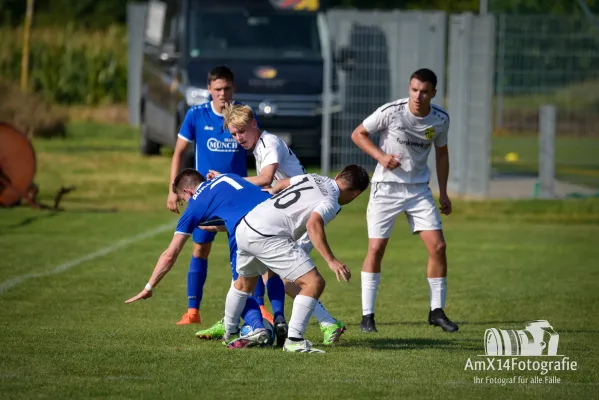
x: 304, y: 346
x: 257, y: 337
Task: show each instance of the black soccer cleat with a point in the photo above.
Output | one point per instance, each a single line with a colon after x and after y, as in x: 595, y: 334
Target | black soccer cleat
x: 367, y: 324
x: 281, y: 330
x: 437, y: 317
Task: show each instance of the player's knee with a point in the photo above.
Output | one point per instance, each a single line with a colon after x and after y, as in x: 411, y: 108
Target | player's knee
x: 201, y: 250
x: 439, y: 249
x: 377, y: 249
x: 318, y: 284
x: 243, y: 284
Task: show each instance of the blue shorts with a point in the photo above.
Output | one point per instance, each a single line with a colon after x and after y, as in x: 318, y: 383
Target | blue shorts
x: 199, y: 236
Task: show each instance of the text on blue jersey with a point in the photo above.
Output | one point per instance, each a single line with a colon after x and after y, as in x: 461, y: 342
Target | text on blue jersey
x: 225, y: 199
x: 215, y: 148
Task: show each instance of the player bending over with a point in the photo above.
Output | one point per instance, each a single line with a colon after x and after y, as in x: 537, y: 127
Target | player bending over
x: 274, y: 161
x: 225, y: 199
x: 267, y: 239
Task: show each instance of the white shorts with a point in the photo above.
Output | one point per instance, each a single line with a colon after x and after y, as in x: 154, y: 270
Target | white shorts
x: 282, y: 255
x: 389, y: 199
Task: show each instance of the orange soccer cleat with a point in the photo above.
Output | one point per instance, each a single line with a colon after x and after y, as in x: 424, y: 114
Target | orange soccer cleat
x: 192, y: 316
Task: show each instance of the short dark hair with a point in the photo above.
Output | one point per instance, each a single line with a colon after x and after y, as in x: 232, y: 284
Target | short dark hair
x: 187, y: 178
x: 425, y: 75
x: 221, y: 72
x: 356, y: 177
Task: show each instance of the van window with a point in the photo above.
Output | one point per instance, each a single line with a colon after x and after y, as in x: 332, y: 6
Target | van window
x: 241, y: 33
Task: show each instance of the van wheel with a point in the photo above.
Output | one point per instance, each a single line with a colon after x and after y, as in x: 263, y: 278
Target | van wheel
x: 147, y: 146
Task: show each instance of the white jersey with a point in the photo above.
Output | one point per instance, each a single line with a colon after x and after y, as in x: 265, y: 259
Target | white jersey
x: 287, y: 212
x: 408, y: 136
x: 270, y: 149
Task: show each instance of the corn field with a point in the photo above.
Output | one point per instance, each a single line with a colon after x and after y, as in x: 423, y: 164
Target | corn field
x: 69, y: 66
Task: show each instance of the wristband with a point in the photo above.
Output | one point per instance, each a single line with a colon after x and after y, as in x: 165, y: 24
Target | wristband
x: 148, y: 287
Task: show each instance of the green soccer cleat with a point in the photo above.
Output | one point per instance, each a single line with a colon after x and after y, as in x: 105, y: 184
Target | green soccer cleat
x: 216, y: 331
x: 332, y: 333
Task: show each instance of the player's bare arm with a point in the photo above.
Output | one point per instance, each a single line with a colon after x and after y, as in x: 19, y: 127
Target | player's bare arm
x: 315, y: 228
x: 361, y: 138
x: 163, y: 266
x: 266, y: 175
x: 279, y: 185
x: 172, y: 202
x: 442, y: 160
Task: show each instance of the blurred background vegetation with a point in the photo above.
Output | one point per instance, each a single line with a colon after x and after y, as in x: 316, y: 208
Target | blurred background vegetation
x: 78, y: 49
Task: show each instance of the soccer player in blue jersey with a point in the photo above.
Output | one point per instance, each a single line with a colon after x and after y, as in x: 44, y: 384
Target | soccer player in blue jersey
x: 224, y: 200
x: 216, y: 149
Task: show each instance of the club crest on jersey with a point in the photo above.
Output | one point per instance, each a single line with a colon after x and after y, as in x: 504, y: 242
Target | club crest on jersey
x: 429, y: 133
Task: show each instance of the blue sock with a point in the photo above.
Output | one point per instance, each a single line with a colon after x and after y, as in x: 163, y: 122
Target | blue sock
x: 251, y: 314
x: 259, y: 292
x: 276, y: 294
x: 196, y: 277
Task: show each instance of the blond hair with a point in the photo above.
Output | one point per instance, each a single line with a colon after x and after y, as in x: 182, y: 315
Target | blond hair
x: 237, y: 115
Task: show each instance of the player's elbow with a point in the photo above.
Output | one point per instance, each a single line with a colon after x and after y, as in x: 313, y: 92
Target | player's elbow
x: 314, y: 227
x: 358, y: 134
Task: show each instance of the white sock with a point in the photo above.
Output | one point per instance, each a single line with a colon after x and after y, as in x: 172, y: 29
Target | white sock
x: 438, y: 289
x: 370, y: 285
x: 322, y: 315
x: 234, y: 306
x: 303, y: 306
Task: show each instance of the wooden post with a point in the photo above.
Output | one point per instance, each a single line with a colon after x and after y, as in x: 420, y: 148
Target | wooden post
x: 26, y: 37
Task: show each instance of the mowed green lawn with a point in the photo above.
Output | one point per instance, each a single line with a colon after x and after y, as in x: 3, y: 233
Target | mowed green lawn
x: 64, y: 277
x: 576, y: 159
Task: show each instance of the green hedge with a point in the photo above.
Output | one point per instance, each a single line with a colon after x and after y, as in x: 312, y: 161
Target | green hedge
x: 68, y: 65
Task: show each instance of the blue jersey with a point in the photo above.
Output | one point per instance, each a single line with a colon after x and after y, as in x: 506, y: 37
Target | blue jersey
x: 225, y: 199
x: 215, y: 148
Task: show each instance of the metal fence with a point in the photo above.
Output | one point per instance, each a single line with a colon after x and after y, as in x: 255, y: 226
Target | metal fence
x: 548, y: 60
x: 388, y: 47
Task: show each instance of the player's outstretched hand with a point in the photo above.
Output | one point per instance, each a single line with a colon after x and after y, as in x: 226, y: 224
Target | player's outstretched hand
x: 340, y: 270
x: 390, y: 161
x: 172, y: 201
x: 212, y: 174
x: 445, y: 204
x: 144, y: 294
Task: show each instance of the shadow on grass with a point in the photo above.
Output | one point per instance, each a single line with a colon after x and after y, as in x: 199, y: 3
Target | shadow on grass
x: 43, y: 215
x: 385, y: 343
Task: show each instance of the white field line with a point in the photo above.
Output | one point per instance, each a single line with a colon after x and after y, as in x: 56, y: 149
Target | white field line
x: 12, y: 282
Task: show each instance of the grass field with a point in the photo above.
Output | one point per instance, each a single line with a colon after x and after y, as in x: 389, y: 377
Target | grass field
x: 576, y: 159
x: 66, y: 332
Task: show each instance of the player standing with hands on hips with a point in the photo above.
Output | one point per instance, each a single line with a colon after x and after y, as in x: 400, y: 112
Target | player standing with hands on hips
x: 409, y: 127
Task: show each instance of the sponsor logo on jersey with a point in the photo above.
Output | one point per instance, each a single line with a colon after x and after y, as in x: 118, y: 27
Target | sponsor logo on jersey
x: 228, y: 145
x: 429, y: 133
x: 208, y: 128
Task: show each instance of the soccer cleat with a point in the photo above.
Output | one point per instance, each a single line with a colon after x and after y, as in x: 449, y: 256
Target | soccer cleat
x: 303, y: 346
x: 332, y: 333
x: 216, y: 331
x: 266, y: 315
x: 367, y: 324
x: 437, y: 317
x: 190, y: 317
x: 280, y: 329
x: 258, y: 337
